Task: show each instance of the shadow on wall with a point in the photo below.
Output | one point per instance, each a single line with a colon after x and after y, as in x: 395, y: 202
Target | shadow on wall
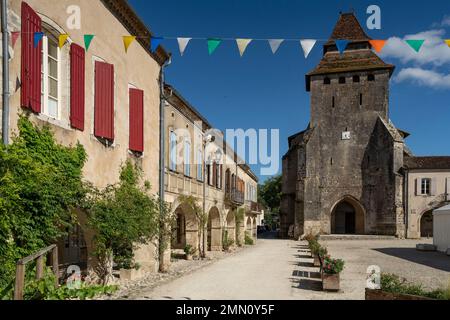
x: 434, y: 260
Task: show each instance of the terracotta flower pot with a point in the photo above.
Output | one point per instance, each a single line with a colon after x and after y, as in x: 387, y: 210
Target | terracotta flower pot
x: 331, y: 282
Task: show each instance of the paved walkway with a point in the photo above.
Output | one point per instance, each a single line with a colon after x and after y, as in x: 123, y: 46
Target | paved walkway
x: 281, y: 270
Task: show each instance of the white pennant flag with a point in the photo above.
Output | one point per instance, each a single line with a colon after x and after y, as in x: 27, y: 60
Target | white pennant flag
x: 307, y: 45
x: 275, y: 44
x: 242, y: 45
x: 182, y: 43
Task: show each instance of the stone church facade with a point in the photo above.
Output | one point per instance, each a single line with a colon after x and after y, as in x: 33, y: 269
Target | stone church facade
x: 349, y: 171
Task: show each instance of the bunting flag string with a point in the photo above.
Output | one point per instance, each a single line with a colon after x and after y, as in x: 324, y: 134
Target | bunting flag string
x: 183, y: 43
x: 88, y: 40
x: 275, y: 44
x: 127, y: 41
x: 14, y: 37
x: 62, y: 40
x: 416, y: 45
x: 307, y: 46
x: 378, y: 45
x: 242, y: 43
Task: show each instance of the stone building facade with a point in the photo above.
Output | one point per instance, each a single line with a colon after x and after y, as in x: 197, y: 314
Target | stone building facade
x: 137, y: 70
x: 345, y: 174
x: 194, y: 165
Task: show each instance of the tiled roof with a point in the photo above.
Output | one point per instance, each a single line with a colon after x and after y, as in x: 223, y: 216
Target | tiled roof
x: 427, y: 162
x: 348, y: 28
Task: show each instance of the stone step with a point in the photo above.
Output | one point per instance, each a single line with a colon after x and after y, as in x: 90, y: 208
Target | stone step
x: 332, y: 237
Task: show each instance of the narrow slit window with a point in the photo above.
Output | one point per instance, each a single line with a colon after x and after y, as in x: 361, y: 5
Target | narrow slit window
x: 360, y: 99
x: 333, y: 102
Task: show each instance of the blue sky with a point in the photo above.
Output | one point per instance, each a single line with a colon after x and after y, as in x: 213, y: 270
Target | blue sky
x: 267, y: 91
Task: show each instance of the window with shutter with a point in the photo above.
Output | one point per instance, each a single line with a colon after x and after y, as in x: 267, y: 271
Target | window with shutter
x: 31, y: 60
x: 136, y: 120
x: 187, y: 158
x: 77, y: 86
x: 104, y: 101
x: 173, y: 151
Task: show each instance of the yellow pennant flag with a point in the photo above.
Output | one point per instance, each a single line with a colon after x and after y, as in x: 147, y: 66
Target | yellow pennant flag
x: 242, y: 45
x: 447, y: 42
x: 62, y: 40
x: 127, y: 40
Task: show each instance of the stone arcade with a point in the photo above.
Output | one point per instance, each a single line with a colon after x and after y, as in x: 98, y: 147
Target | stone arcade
x: 350, y: 171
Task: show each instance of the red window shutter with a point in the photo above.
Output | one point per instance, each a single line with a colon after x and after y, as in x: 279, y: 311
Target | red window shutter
x: 31, y: 60
x: 136, y: 120
x: 77, y: 86
x: 104, y: 101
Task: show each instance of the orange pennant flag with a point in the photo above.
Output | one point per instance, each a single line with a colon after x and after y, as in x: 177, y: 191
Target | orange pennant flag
x: 378, y: 45
x: 447, y: 42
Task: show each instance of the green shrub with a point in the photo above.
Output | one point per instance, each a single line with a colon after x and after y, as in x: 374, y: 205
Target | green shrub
x: 248, y: 239
x: 394, y: 284
x: 189, y: 250
x: 227, y: 243
x: 40, y: 185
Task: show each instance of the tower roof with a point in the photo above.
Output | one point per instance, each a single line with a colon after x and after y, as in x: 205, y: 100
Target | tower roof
x: 357, y: 57
x: 348, y: 28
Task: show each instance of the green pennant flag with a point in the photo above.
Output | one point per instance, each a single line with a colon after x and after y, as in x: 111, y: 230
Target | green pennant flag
x: 213, y: 44
x: 87, y: 40
x: 415, y: 44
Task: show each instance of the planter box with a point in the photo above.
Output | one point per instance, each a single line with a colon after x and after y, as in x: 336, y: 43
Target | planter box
x: 189, y: 257
x: 331, y: 282
x: 382, y: 295
x: 130, y: 274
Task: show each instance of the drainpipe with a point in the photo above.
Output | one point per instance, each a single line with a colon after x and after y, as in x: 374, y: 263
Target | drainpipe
x: 5, y: 72
x: 162, y: 155
x: 406, y: 196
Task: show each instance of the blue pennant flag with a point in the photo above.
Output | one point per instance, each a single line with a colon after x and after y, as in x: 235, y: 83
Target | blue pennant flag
x: 37, y: 38
x: 155, y: 42
x: 342, y: 45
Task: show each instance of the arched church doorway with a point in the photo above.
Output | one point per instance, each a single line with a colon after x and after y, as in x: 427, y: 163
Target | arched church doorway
x: 426, y: 225
x: 347, y: 218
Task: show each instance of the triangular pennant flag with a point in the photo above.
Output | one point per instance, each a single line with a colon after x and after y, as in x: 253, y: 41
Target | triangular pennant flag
x: 155, y: 42
x: 88, y: 40
x: 275, y: 44
x: 447, y: 42
x: 37, y: 38
x: 14, y: 37
x: 62, y: 40
x: 182, y: 43
x: 242, y: 45
x: 213, y: 44
x: 127, y: 40
x: 307, y: 45
x: 378, y: 45
x: 416, y: 45
x: 342, y: 45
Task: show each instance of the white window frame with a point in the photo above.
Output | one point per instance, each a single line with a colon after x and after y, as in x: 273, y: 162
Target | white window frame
x: 199, y: 165
x: 45, y: 75
x: 173, y: 150
x: 187, y: 158
x: 425, y: 186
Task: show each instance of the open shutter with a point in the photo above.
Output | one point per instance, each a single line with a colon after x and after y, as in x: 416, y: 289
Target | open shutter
x: 104, y: 101
x: 214, y: 182
x: 448, y: 188
x: 31, y: 60
x: 433, y: 187
x: 77, y: 85
x: 136, y: 120
x: 418, y: 187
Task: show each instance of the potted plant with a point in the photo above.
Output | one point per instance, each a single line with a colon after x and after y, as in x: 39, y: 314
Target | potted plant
x: 319, y: 256
x: 315, y: 248
x: 189, y: 251
x: 331, y: 271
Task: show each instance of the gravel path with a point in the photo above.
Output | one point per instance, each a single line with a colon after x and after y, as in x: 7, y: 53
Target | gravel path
x: 281, y: 270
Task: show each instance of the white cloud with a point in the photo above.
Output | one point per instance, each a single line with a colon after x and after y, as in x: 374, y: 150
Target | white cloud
x: 422, y: 77
x: 434, y: 51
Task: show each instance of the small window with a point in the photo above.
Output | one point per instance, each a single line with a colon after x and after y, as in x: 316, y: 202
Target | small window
x: 356, y: 79
x: 426, y: 187
x: 371, y: 77
x: 173, y: 151
x: 326, y: 80
x: 360, y: 99
x: 331, y: 161
x: 333, y: 102
x: 341, y: 80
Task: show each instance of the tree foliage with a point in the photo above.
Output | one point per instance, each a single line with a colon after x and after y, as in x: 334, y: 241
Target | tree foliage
x: 40, y: 184
x: 270, y: 193
x: 122, y: 216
